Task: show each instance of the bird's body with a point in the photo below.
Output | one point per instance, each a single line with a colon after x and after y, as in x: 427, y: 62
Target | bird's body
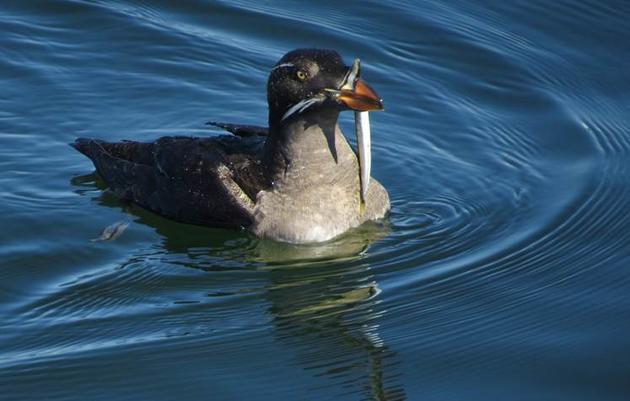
x: 205, y: 181
x: 297, y: 181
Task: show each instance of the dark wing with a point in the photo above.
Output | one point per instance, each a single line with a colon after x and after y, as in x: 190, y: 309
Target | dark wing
x: 207, y: 181
x: 241, y: 130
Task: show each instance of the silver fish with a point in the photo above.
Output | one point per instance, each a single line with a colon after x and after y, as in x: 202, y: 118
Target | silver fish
x: 112, y: 232
x: 362, y: 129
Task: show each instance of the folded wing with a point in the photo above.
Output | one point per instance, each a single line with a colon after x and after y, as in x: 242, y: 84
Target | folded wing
x: 206, y: 181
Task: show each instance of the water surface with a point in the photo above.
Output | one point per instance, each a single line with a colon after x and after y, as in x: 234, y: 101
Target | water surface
x: 502, y: 272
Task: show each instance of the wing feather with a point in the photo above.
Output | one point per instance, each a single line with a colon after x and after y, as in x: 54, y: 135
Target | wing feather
x: 193, y: 180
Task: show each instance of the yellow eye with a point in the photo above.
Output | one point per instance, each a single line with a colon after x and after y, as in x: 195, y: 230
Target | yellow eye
x: 301, y: 75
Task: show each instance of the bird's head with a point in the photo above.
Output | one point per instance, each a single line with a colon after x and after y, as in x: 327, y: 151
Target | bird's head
x: 307, y: 80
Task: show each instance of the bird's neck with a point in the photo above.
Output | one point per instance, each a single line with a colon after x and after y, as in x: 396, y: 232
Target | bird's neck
x: 309, y: 148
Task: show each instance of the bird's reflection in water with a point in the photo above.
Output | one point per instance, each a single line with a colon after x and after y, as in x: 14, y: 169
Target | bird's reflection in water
x: 324, y: 300
x: 329, y: 315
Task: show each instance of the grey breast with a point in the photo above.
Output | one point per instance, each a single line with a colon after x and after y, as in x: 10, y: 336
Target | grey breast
x: 317, y: 197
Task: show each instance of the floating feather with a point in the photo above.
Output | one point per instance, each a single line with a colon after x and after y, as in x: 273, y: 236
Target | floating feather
x: 112, y: 232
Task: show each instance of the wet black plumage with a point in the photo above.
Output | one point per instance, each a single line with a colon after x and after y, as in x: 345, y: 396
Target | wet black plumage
x: 240, y: 129
x: 184, y: 178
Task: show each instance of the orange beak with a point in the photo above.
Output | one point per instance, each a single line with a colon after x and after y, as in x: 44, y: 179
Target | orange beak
x: 361, y: 98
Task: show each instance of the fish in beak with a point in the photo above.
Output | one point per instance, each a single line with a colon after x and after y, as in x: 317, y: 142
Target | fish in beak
x: 362, y: 130
x: 357, y: 95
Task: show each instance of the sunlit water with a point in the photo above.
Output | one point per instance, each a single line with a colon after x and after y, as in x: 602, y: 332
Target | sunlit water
x: 501, y: 274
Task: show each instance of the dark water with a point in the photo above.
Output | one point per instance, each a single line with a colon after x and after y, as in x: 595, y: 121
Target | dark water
x: 504, y: 272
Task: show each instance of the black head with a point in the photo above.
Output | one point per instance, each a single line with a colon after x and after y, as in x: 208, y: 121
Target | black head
x: 311, y: 80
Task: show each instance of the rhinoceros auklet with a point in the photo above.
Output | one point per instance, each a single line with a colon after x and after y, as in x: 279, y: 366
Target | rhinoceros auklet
x: 298, y: 181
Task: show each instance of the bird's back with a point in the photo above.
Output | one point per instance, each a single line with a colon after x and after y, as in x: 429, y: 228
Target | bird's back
x: 207, y: 181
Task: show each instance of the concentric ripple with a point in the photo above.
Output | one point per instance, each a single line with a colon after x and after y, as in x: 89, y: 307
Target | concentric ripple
x: 501, y: 271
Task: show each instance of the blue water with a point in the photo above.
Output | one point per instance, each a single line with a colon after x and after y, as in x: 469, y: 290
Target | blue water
x: 503, y: 272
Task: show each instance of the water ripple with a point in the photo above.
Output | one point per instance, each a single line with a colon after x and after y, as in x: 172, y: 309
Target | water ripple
x: 504, y: 148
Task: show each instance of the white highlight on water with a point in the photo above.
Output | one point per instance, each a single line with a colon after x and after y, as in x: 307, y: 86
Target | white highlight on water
x: 112, y: 232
